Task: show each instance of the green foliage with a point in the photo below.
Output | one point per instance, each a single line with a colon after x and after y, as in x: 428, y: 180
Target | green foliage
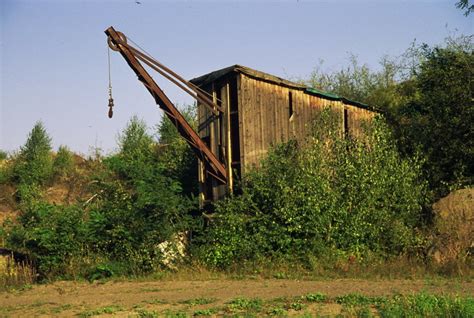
x: 135, y: 206
x: 316, y: 297
x: 101, y: 311
x: 3, y: 155
x: 360, y: 83
x: 247, y: 304
x: 28, y: 195
x: 63, y: 163
x: 424, y: 305
x: 438, y: 117
x: 426, y: 95
x: 332, y: 194
x: 52, y: 235
x: 139, y: 205
x: 175, y: 153
x: 34, y: 163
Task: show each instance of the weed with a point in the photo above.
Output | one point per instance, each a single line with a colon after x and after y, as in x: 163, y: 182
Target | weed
x: 58, y: 309
x: 100, y: 311
x: 280, y: 275
x: 277, y: 311
x: 199, y: 301
x: 205, y: 312
x: 143, y: 313
x: 316, y: 297
x: 353, y: 300
x: 172, y: 314
x: 297, y: 306
x: 14, y: 275
x: 237, y: 304
x: 424, y: 305
x: 155, y: 301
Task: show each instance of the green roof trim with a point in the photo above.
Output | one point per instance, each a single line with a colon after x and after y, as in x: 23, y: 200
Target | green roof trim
x: 314, y: 91
x: 332, y: 96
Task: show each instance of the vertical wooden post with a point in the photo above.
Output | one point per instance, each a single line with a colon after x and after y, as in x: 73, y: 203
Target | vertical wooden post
x: 214, y: 143
x: 228, y: 143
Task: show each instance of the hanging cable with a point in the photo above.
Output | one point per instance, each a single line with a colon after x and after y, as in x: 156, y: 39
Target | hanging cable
x: 111, y: 100
x: 200, y: 93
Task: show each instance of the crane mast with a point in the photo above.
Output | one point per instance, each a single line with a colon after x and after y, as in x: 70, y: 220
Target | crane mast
x: 118, y: 42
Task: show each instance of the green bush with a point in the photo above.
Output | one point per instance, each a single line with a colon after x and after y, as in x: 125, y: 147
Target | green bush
x: 52, y: 235
x: 332, y: 194
x: 28, y: 195
x: 63, y: 163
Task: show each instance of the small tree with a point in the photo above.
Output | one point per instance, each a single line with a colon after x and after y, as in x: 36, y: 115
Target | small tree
x: 34, y: 162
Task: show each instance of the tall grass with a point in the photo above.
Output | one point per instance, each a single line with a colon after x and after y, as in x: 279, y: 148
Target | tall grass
x: 15, y: 275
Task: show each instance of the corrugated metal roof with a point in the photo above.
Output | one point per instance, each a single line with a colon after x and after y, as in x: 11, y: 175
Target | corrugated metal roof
x: 216, y: 75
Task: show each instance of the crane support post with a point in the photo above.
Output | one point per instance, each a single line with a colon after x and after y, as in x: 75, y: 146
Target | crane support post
x: 214, y: 166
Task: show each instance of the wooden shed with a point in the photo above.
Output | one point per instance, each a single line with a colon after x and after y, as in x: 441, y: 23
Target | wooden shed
x: 260, y: 110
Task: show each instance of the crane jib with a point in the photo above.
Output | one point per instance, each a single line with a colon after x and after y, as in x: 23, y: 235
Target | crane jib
x: 118, y: 42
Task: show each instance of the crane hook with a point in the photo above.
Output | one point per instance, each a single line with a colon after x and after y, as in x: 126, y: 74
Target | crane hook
x: 111, y: 100
x: 111, y: 104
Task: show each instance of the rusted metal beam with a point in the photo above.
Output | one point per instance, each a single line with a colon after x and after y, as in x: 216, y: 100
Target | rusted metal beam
x: 215, y: 168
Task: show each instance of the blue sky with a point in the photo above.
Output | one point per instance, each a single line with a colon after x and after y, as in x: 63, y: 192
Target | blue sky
x: 54, y: 53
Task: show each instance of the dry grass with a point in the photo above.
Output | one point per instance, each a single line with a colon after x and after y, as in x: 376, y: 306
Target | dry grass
x: 13, y: 275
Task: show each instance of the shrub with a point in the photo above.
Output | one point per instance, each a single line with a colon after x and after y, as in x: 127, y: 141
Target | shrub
x: 63, y: 163
x: 333, y: 193
x: 52, y: 235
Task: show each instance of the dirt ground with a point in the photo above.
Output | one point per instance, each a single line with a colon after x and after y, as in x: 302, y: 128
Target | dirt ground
x: 134, y: 298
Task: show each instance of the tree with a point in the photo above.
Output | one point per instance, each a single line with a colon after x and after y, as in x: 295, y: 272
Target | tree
x: 438, y: 118
x: 464, y: 5
x: 34, y: 162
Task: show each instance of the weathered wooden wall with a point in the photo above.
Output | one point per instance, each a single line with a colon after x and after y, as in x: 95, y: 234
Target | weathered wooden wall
x: 268, y: 117
x: 258, y: 114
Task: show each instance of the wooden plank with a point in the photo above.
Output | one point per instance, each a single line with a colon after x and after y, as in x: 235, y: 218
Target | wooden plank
x: 240, y: 101
x: 248, y: 120
x: 259, y: 124
x: 230, y: 179
x: 270, y: 114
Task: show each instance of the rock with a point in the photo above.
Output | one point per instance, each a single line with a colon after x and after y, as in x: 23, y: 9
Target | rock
x: 174, y: 250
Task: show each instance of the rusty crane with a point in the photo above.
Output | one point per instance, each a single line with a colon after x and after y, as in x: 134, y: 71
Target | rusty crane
x: 134, y: 56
